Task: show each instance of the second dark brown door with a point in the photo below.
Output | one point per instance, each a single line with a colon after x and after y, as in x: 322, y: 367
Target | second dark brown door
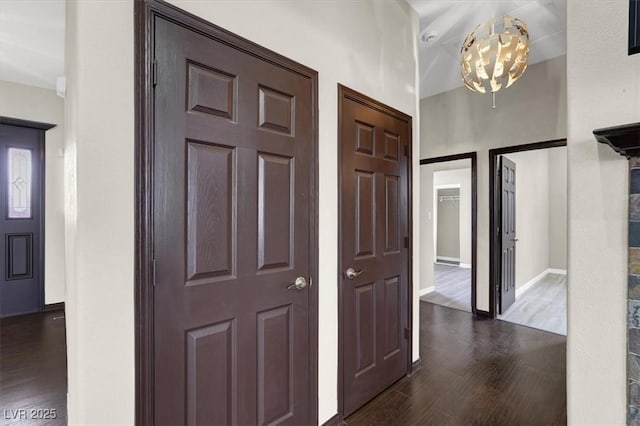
x: 233, y: 167
x: 374, y: 213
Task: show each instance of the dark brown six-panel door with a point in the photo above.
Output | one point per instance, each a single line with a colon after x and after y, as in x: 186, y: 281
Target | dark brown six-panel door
x: 507, y: 233
x: 374, y: 232
x: 233, y: 167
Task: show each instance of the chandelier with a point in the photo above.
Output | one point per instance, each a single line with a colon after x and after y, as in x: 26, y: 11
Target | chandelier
x: 492, y: 60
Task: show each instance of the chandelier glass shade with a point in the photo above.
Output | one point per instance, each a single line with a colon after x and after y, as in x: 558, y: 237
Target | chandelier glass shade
x: 495, y: 55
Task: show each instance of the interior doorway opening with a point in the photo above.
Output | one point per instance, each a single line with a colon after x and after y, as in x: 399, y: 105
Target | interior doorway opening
x: 448, y: 235
x: 33, y: 347
x: 529, y: 246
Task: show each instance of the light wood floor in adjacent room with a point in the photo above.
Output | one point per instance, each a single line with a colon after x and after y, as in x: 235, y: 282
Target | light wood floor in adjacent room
x: 452, y: 287
x: 543, y: 306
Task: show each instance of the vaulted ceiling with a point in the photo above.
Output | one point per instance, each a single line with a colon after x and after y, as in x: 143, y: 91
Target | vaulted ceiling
x: 449, y: 22
x: 32, y: 41
x: 32, y: 37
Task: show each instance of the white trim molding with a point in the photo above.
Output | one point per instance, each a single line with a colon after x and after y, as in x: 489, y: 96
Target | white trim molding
x: 426, y: 290
x: 556, y: 271
x: 448, y: 186
x: 520, y: 291
x: 465, y: 265
x: 450, y: 259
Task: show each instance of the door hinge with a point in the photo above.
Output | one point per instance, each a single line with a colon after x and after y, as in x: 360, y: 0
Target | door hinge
x: 310, y: 282
x: 406, y: 242
x: 154, y: 72
x: 154, y: 268
x: 407, y: 332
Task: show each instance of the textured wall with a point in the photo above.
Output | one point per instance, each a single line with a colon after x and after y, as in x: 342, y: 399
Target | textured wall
x: 603, y: 89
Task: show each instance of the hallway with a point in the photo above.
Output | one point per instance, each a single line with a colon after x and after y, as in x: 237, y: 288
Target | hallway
x: 476, y: 371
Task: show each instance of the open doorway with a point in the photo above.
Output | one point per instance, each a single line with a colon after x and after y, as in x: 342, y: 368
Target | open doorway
x: 448, y: 221
x: 448, y: 236
x: 529, y: 251
x: 33, y: 368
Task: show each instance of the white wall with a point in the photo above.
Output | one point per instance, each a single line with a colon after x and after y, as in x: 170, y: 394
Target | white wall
x: 603, y: 87
x: 558, y: 208
x: 447, y: 224
x: 532, y: 214
x: 457, y: 121
x: 427, y: 215
x: 460, y: 177
x: 427, y: 226
x: 368, y: 46
x: 541, y: 212
x: 43, y: 105
x: 99, y: 175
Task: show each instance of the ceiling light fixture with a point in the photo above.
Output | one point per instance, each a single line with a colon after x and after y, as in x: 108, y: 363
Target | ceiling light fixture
x: 492, y: 60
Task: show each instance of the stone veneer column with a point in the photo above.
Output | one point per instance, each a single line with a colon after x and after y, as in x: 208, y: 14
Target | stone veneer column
x: 633, y: 332
x: 625, y: 140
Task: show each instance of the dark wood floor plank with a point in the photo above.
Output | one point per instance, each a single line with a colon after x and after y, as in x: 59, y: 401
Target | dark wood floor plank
x: 33, y: 369
x: 476, y: 372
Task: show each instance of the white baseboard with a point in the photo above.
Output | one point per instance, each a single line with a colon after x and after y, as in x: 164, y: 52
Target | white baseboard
x: 520, y: 291
x: 426, y: 290
x: 465, y: 265
x: 450, y: 259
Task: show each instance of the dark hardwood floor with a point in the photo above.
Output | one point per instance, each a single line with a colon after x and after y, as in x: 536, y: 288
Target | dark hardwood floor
x: 476, y: 372
x: 33, y: 369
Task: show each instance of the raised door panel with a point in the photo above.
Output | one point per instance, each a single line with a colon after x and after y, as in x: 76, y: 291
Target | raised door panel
x: 211, y: 213
x: 276, y: 111
x: 365, y: 229
x: 211, y: 91
x: 392, y: 320
x: 212, y: 375
x: 392, y: 214
x: 275, y: 358
x: 391, y: 146
x: 364, y: 138
x: 275, y: 212
x: 365, y: 331
x: 19, y: 256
